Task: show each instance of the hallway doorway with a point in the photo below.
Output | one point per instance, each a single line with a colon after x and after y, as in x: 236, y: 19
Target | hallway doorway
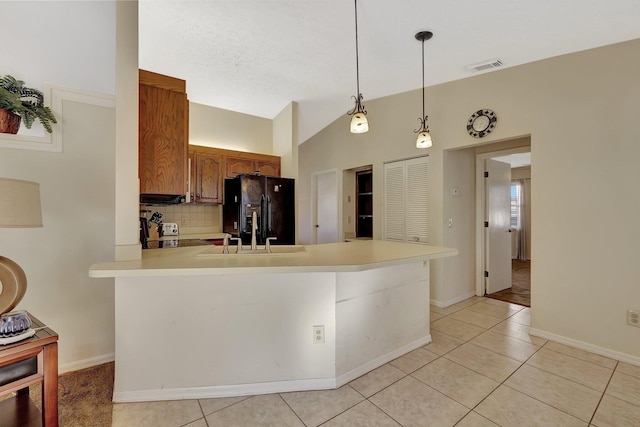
x: 516, y: 259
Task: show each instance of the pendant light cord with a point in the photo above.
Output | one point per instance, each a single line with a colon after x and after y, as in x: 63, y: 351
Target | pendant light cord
x: 355, y: 3
x: 423, y: 100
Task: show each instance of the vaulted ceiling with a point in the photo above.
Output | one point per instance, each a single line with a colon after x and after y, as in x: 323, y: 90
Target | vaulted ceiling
x: 256, y: 56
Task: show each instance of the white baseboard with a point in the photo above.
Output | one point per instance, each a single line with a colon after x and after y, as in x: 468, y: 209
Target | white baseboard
x: 267, y: 387
x: 379, y: 361
x: 86, y: 363
x: 602, y: 351
x: 211, y: 392
x: 445, y: 304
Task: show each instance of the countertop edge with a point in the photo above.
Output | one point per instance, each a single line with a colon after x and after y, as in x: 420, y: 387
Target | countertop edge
x: 322, y: 258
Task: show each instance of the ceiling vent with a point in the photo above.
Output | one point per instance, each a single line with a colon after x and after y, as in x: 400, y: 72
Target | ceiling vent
x: 486, y: 65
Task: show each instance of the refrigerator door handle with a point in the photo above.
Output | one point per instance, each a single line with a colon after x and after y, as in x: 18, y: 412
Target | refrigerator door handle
x: 269, y: 219
x: 263, y: 216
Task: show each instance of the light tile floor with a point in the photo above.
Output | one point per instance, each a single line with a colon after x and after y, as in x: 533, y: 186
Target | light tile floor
x: 482, y: 369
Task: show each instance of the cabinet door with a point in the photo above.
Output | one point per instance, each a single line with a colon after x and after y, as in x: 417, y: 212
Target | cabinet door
x: 268, y: 168
x: 418, y: 200
x: 237, y: 165
x: 406, y: 200
x: 162, y: 140
x: 208, y: 178
x: 394, y: 201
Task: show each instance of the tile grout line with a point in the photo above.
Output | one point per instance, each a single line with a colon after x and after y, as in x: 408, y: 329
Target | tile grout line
x: 512, y: 373
x: 290, y: 408
x: 204, y: 417
x: 576, y: 358
x: 603, y: 393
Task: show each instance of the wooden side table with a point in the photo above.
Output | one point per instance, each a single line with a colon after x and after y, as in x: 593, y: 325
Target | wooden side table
x: 22, y: 364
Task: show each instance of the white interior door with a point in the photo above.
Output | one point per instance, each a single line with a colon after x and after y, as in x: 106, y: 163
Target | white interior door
x: 498, y: 233
x: 326, y: 207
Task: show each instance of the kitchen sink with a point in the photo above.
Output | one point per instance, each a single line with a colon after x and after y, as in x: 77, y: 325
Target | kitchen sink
x: 276, y: 250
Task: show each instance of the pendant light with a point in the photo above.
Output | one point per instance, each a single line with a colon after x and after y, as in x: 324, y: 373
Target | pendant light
x: 359, y: 123
x: 424, y: 138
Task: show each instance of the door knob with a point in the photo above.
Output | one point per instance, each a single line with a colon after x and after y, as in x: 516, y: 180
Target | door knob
x: 317, y: 226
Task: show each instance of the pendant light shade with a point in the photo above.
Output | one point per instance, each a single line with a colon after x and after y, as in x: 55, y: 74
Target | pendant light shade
x: 359, y: 122
x: 424, y: 138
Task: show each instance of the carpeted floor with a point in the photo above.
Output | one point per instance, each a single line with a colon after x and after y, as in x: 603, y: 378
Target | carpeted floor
x: 84, y: 397
x: 520, y: 291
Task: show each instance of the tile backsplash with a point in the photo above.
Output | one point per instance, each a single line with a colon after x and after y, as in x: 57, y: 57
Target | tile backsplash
x: 188, y: 216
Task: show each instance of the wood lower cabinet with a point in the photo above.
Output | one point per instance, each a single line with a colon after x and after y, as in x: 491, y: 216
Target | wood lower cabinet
x: 211, y: 166
x: 162, y: 134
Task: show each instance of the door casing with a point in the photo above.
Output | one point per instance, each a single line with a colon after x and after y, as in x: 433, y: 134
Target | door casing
x: 481, y: 209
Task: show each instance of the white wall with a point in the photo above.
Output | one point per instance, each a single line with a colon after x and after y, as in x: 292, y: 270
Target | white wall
x: 585, y: 271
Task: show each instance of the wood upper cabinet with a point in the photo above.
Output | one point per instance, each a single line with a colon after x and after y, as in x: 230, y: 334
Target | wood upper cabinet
x: 237, y: 164
x: 207, y: 177
x: 268, y: 167
x: 210, y: 166
x: 163, y: 134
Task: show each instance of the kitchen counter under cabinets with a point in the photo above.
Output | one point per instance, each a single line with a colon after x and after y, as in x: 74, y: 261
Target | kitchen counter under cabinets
x: 214, y: 325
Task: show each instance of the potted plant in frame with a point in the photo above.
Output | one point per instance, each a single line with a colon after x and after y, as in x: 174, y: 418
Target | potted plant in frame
x: 18, y: 103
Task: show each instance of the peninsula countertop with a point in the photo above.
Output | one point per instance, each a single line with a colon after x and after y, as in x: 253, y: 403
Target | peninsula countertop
x: 330, y: 257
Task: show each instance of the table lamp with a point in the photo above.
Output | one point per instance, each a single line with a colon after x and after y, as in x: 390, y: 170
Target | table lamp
x: 19, y: 207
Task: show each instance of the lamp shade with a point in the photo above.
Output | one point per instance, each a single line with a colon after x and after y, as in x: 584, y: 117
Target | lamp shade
x: 424, y: 140
x: 19, y: 203
x: 359, y: 123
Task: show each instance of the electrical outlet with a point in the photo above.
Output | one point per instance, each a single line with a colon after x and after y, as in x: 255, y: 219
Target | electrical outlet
x: 633, y: 318
x: 318, y: 334
x: 184, y: 221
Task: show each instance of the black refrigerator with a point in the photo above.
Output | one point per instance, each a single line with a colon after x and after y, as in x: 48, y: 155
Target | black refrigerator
x: 271, y: 198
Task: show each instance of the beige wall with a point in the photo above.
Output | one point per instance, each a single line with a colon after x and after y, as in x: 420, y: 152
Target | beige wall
x: 285, y: 140
x: 575, y: 107
x: 77, y: 190
x: 78, y: 185
x: 215, y: 127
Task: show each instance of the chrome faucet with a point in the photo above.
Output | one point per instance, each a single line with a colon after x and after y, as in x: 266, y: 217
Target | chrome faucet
x: 254, y: 228
x: 225, y: 244
x: 267, y: 246
x: 238, y: 243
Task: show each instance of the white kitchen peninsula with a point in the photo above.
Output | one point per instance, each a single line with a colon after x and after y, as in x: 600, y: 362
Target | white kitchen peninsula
x: 190, y: 326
